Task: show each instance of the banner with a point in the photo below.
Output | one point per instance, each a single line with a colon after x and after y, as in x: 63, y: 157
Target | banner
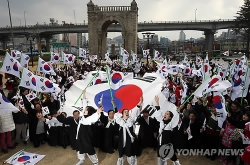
x: 25, y: 158
x: 147, y: 86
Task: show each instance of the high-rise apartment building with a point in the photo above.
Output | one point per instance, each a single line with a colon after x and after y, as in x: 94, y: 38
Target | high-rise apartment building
x: 182, y: 36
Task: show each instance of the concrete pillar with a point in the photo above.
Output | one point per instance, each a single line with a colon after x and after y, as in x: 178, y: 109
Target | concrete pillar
x: 100, y: 43
x: 4, y: 41
x: 39, y: 46
x: 104, y: 44
x: 47, y: 39
x: 4, y: 44
x: 209, y: 39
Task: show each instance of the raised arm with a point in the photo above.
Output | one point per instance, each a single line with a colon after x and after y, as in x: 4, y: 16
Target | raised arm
x: 93, y: 118
x: 137, y: 111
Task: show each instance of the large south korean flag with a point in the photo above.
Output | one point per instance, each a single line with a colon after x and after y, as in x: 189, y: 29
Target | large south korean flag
x: 127, y: 96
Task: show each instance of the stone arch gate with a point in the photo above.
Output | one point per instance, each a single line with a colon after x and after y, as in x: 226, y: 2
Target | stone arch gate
x: 101, y: 17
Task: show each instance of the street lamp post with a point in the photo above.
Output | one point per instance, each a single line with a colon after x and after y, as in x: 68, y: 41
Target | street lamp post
x: 148, y: 35
x: 24, y: 14
x: 31, y: 38
x: 74, y: 15
x: 19, y: 21
x: 195, y: 14
x: 12, y: 35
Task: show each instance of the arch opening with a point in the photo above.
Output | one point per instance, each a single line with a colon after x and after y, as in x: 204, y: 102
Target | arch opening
x: 113, y: 41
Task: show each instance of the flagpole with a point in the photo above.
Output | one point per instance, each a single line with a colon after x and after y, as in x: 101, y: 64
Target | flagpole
x: 17, y: 153
x: 87, y: 86
x: 244, y: 85
x: 231, y: 71
x: 189, y: 98
x: 110, y: 87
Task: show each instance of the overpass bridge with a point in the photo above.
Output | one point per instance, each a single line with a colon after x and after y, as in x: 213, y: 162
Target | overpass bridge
x: 209, y: 27
x: 202, y: 25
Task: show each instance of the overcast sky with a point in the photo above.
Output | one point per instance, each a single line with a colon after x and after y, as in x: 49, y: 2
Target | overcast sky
x: 155, y: 10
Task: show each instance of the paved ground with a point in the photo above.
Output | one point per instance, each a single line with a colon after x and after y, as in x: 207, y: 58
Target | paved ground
x: 60, y: 156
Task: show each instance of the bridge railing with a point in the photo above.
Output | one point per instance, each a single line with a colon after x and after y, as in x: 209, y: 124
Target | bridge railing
x: 45, y: 25
x: 85, y: 24
x: 192, y: 21
x: 112, y: 8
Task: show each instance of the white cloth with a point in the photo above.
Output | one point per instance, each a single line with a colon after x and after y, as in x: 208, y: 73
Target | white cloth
x: 93, y: 158
x: 53, y: 122
x: 189, y: 131
x: 111, y: 121
x: 179, y: 125
x: 6, y: 122
x: 126, y: 124
x: 162, y: 128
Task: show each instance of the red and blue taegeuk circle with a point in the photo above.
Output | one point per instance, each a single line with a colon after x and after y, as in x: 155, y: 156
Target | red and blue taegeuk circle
x: 15, y: 66
x: 48, y: 84
x: 217, y: 102
x: 163, y: 68
x: 23, y: 159
x: 46, y: 67
x: 56, y: 57
x: 70, y: 58
x: 98, y: 81
x: 33, y: 81
x: 125, y: 97
x: 116, y: 77
x: 187, y: 71
x: 13, y: 54
x: 237, y: 82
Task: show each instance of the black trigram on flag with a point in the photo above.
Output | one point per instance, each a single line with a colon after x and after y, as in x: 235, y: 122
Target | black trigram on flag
x: 41, y: 68
x: 8, y: 68
x: 27, y: 83
x: 29, y: 74
x: 41, y: 79
x: 27, y: 58
x: 147, y: 79
x: 11, y: 60
x: 220, y: 114
x: 125, y: 73
x: 43, y: 88
x: 78, y: 108
x: 150, y: 108
x: 43, y: 62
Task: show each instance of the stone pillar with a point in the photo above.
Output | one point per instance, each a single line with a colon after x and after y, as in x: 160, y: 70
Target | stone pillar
x: 113, y: 52
x: 209, y: 39
x: 104, y: 44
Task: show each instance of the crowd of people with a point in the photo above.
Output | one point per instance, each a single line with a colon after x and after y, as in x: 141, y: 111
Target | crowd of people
x: 197, y: 126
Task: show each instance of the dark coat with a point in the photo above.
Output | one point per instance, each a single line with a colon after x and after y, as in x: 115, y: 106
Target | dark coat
x: 52, y: 106
x: 84, y: 143
x: 179, y: 140
x: 130, y: 148
x: 109, y: 138
x: 146, y: 132
x: 72, y: 129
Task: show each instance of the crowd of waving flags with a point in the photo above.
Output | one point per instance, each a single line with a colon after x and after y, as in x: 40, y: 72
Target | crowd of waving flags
x: 234, y: 77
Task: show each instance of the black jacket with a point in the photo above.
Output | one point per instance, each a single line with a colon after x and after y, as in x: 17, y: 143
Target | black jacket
x: 20, y: 117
